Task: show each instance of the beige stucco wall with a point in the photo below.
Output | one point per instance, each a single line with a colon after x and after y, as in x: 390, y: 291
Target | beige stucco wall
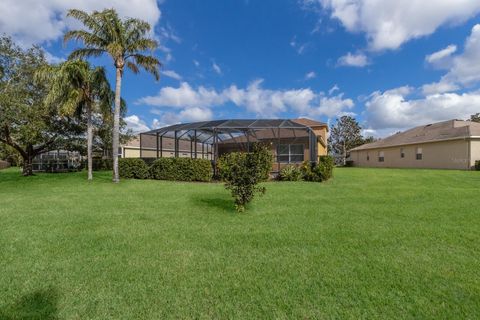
x: 436, y: 155
x: 474, y: 151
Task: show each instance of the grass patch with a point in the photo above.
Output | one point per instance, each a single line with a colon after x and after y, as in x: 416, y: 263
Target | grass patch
x: 371, y: 243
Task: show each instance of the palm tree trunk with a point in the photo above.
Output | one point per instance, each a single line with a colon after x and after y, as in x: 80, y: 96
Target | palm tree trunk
x: 116, y: 125
x: 89, y: 141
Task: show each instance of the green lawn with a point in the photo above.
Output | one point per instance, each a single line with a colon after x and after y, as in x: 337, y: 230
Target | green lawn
x: 371, y: 243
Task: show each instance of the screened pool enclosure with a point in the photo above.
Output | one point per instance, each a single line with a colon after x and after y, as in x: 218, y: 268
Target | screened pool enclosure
x: 292, y: 141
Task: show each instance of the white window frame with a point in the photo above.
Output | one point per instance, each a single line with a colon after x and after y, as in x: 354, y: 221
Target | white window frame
x: 290, y: 154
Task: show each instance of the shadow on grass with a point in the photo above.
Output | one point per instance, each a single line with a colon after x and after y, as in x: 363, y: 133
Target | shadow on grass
x: 214, y: 202
x: 40, y: 304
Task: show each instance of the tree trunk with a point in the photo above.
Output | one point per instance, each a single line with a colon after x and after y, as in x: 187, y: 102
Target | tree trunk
x: 89, y: 141
x: 27, y: 164
x: 116, y: 125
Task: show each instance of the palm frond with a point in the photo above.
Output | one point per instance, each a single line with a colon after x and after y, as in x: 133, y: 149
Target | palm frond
x: 132, y: 66
x: 149, y: 63
x: 88, y: 38
x: 87, y: 19
x: 82, y: 53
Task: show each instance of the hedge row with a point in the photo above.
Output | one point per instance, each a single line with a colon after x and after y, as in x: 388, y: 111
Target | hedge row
x: 177, y: 169
x: 321, y: 171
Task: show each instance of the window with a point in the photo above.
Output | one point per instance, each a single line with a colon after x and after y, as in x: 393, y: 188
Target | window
x: 419, y: 154
x: 290, y: 153
x: 381, y: 156
x: 402, y: 153
x: 368, y: 157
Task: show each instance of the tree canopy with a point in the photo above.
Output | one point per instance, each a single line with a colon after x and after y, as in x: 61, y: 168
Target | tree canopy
x: 28, y: 124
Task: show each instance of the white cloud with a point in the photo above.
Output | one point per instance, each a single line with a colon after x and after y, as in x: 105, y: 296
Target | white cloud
x: 268, y: 103
x: 136, y: 124
x: 53, y: 59
x: 168, y: 33
x: 466, y: 66
x: 333, y: 89
x: 172, y: 74
x: 463, y: 68
x: 390, y: 23
x: 393, y: 110
x: 184, y: 97
x: 33, y: 21
x: 353, y: 60
x: 196, y: 103
x: 439, y: 87
x: 196, y: 63
x: 333, y: 106
x: 216, y: 68
x: 441, y: 58
x: 310, y: 75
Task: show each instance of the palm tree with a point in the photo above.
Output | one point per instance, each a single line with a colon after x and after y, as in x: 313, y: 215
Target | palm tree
x: 79, y: 90
x: 124, y: 40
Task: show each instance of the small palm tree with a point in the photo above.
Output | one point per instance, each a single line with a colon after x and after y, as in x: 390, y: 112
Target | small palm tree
x: 79, y: 90
x: 124, y: 40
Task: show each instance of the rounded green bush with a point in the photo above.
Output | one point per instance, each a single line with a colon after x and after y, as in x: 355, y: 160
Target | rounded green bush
x: 132, y: 168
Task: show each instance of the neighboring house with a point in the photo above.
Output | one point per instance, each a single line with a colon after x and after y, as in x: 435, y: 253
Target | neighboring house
x: 453, y: 144
x: 292, y: 141
x: 57, y: 161
x: 4, y: 164
x: 132, y: 149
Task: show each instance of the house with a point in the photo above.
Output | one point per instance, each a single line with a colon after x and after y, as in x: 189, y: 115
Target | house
x: 131, y: 149
x: 453, y: 144
x: 292, y: 141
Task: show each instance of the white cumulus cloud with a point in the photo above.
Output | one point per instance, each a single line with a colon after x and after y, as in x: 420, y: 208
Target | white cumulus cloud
x: 37, y: 21
x: 392, y: 109
x: 353, y: 60
x: 390, y: 23
x: 197, y: 103
x: 136, y: 124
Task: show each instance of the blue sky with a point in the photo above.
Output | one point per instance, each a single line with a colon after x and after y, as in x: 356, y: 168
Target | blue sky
x: 391, y: 64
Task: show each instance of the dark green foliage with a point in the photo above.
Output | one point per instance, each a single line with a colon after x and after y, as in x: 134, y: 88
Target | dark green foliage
x: 242, y: 172
x: 133, y: 168
x: 318, y: 172
x: 101, y: 164
x: 324, y: 168
x: 291, y: 173
x: 349, y: 163
x: 181, y: 169
x: 477, y: 165
x: 262, y: 159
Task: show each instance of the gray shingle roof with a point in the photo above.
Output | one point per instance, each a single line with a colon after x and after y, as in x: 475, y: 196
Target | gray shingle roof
x: 446, y: 130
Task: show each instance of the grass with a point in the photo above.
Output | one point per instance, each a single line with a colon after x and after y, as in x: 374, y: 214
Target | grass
x: 371, y: 243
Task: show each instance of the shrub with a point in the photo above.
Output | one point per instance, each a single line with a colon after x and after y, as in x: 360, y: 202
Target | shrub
x: 325, y: 167
x: 100, y: 164
x: 181, y: 169
x: 318, y: 172
x: 242, y: 172
x: 349, y: 163
x: 290, y: 173
x: 132, y: 168
x: 477, y: 165
x: 262, y: 159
